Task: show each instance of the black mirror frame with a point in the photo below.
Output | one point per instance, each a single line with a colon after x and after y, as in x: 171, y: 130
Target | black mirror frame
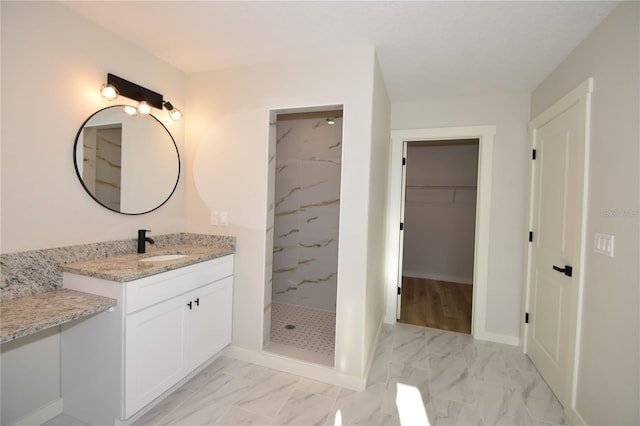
x: 75, y: 163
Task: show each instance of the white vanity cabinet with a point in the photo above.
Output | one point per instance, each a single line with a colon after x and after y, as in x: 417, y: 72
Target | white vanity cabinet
x: 167, y: 341
x: 165, y: 326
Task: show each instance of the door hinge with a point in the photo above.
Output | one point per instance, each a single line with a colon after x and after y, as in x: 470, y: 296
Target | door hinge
x: 530, y: 236
x: 401, y: 226
x: 533, y: 156
x: 404, y: 161
x: 399, y: 291
x: 526, y: 318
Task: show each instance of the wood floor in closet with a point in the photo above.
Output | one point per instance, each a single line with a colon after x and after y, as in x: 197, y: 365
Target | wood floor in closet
x: 436, y: 304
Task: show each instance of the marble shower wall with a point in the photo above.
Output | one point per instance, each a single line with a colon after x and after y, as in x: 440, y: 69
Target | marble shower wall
x: 307, y: 210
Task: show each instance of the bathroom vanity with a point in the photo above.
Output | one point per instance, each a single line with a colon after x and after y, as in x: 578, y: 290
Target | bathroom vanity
x: 173, y: 314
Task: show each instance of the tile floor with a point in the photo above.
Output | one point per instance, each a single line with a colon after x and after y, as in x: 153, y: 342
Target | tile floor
x: 451, y: 377
x: 314, y: 330
x: 312, y: 339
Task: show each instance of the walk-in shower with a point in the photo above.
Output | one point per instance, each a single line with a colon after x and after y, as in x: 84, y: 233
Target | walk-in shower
x: 305, y: 168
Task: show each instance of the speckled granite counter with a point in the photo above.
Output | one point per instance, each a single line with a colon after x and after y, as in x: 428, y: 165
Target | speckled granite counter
x: 37, y: 271
x: 30, y: 314
x: 129, y: 267
x: 31, y: 294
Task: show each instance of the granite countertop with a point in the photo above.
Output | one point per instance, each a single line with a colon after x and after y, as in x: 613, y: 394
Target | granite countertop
x: 30, y: 314
x: 129, y: 267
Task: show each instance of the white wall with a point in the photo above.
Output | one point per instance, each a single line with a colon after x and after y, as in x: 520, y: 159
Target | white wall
x: 53, y: 63
x: 608, y: 368
x: 510, y: 114
x: 377, y: 215
x: 440, y: 211
x: 30, y: 375
x: 227, y: 153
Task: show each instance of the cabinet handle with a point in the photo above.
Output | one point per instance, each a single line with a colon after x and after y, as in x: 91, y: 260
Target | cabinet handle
x: 189, y: 305
x: 197, y: 301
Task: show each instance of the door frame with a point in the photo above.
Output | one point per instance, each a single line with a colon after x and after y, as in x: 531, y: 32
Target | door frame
x: 580, y: 95
x: 485, y: 136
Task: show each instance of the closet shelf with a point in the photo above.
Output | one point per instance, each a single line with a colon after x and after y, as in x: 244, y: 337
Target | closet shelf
x: 449, y: 187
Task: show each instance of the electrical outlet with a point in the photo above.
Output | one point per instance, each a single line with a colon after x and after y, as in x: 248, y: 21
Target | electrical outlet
x: 604, y: 244
x: 224, y: 219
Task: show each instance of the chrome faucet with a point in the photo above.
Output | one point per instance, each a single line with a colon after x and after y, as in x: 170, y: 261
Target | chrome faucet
x: 143, y: 239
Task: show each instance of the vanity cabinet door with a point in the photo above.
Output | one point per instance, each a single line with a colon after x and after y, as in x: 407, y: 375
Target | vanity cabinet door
x: 207, y: 322
x: 154, y: 358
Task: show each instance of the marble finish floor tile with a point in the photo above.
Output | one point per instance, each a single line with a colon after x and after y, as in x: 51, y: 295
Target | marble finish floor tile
x: 303, y: 408
x: 318, y: 388
x: 419, y: 376
x: 443, y: 412
x: 500, y: 405
x: 235, y: 416
x: 268, y: 395
x: 64, y: 420
x: 358, y: 408
x: 450, y: 379
x: 410, y: 346
x: 444, y: 343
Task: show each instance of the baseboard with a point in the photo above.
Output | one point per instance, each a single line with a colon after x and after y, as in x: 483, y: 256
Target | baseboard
x: 42, y: 414
x: 290, y: 365
x: 498, y: 338
x: 438, y: 277
x: 372, y: 350
x: 574, y: 417
x: 390, y: 319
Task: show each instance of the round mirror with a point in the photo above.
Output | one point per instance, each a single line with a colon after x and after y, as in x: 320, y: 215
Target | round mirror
x: 128, y: 163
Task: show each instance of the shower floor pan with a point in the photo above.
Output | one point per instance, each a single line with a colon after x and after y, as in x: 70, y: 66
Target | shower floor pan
x: 303, y: 333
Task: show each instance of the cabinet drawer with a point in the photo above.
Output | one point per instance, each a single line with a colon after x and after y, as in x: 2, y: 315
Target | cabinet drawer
x: 155, y: 289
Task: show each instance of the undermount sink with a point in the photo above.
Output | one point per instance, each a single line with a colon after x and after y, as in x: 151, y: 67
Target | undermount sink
x: 163, y: 257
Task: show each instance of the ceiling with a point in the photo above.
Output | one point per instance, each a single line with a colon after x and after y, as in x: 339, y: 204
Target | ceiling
x: 426, y: 49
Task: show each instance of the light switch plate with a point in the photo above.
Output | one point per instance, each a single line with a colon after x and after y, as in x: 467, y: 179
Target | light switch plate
x: 215, y: 217
x: 604, y: 244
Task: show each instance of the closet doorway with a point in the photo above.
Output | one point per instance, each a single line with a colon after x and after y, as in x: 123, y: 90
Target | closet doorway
x: 439, y: 233
x: 304, y: 189
x: 399, y: 139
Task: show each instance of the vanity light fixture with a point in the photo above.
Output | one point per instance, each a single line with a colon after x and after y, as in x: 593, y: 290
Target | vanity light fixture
x: 109, y: 91
x: 146, y: 98
x: 174, y: 112
x: 130, y: 110
x: 144, y: 107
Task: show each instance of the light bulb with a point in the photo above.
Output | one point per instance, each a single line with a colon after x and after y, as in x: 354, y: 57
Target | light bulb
x: 130, y: 110
x: 330, y: 121
x: 175, y: 114
x: 144, y: 108
x: 108, y: 91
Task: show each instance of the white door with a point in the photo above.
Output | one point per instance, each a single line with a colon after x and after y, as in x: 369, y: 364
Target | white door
x: 556, y: 251
x: 207, y: 321
x: 400, y: 253
x: 154, y: 355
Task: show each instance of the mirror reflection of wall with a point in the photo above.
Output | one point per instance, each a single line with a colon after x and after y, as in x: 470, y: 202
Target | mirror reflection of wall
x: 101, y: 170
